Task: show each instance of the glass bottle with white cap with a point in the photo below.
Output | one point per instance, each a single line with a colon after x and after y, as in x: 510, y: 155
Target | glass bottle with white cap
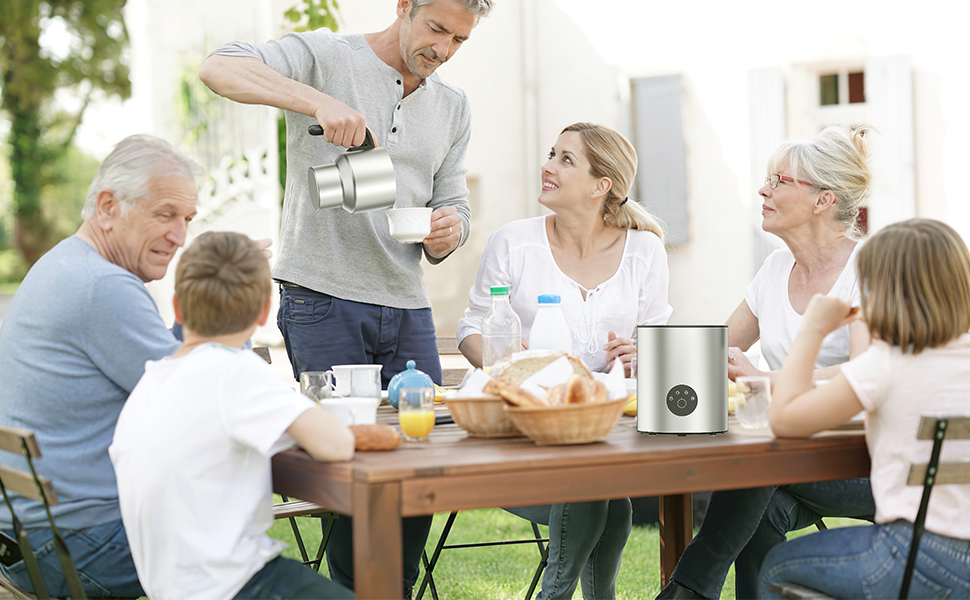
x: 501, y: 329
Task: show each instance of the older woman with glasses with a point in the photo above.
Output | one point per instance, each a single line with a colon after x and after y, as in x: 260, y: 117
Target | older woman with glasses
x: 811, y: 200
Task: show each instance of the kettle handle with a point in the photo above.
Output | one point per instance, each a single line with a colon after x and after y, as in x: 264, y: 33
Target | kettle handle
x: 368, y: 144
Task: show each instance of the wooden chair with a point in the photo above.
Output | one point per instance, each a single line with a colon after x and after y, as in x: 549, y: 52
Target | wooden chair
x: 32, y: 486
x: 931, y: 427
x: 429, y: 565
x: 291, y: 509
x: 448, y: 346
x: 263, y: 352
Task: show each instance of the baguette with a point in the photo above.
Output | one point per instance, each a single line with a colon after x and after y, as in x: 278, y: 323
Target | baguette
x: 375, y: 437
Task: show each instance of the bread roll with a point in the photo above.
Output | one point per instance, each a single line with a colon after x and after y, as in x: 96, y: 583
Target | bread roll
x: 557, y: 395
x: 375, y: 437
x: 577, y: 389
x: 599, y: 392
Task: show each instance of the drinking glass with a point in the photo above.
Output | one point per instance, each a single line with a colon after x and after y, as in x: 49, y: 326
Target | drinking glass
x: 416, y: 413
x: 316, y: 385
x: 752, y: 400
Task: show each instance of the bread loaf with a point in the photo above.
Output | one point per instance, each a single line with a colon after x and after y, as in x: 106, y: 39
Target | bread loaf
x: 375, y: 437
x: 527, y: 364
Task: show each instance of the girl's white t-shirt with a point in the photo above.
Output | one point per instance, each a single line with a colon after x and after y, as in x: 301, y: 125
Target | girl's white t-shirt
x: 896, y: 389
x: 767, y: 297
x: 518, y: 255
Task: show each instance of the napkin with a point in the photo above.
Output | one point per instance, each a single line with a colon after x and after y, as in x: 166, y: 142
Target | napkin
x: 556, y: 372
x: 614, y: 380
x: 472, y: 386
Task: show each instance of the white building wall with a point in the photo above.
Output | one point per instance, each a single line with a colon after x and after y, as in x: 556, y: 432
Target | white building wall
x: 535, y: 66
x: 238, y: 144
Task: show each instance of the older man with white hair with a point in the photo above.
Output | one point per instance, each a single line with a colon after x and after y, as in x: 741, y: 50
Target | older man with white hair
x: 74, y: 343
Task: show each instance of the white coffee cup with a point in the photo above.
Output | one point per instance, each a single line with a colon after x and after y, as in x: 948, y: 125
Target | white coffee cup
x: 362, y: 381
x: 409, y: 225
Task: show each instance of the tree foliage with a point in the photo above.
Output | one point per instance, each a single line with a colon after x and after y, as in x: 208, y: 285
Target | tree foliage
x: 305, y: 16
x: 47, y: 46
x: 314, y: 14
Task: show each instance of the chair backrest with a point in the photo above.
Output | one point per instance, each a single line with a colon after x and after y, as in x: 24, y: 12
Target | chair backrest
x: 936, y: 428
x: 953, y: 428
x: 450, y: 377
x: 34, y: 487
x: 448, y: 346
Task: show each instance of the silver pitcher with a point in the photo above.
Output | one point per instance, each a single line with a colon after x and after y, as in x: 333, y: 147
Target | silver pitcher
x: 361, y: 179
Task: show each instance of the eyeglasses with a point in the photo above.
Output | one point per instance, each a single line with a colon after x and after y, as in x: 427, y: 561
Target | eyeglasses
x: 774, y: 179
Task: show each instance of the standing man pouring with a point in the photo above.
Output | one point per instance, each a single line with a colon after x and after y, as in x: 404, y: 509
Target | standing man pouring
x: 350, y: 292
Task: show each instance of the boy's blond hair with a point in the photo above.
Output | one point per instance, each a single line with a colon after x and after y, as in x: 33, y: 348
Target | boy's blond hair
x: 222, y: 283
x: 915, y: 282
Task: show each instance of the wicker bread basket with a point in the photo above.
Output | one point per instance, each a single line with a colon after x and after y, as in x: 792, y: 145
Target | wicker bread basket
x: 581, y: 423
x: 482, y: 417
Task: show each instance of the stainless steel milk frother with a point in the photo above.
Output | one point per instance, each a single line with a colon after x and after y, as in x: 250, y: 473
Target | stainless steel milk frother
x: 360, y: 179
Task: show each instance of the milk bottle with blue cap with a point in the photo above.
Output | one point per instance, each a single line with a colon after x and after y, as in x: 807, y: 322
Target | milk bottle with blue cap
x: 549, y: 330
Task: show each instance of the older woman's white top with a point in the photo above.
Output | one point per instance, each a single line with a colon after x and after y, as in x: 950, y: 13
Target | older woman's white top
x: 767, y: 297
x: 518, y: 255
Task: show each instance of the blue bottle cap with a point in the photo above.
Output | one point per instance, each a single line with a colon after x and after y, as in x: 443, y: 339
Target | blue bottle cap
x: 549, y: 299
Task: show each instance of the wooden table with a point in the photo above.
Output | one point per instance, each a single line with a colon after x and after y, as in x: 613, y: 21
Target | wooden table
x: 455, y: 472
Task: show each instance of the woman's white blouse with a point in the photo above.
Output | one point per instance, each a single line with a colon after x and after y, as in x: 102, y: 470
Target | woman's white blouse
x: 518, y: 255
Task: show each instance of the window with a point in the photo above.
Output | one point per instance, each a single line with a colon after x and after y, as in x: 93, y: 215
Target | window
x: 843, y: 87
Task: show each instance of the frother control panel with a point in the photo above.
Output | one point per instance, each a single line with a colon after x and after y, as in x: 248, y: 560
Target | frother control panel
x: 681, y: 400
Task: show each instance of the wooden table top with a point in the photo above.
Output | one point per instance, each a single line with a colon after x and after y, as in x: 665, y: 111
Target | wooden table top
x: 454, y: 471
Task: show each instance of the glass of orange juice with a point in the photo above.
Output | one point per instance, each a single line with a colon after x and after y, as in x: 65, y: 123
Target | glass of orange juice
x: 415, y: 408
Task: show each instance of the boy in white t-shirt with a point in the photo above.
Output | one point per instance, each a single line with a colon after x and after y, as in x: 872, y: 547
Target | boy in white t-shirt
x: 193, y: 444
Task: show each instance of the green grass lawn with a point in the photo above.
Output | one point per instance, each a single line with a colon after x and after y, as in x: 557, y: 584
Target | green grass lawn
x: 504, y: 572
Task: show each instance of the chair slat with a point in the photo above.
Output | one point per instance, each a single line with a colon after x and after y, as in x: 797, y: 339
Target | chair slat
x: 296, y: 508
x: 22, y: 483
x: 10, y: 441
x: 957, y: 427
x: 448, y: 346
x: 949, y: 472
x: 263, y: 353
x: 452, y: 377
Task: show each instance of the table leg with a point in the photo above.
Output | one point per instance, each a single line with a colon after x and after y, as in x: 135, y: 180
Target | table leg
x: 378, y: 564
x: 676, y: 531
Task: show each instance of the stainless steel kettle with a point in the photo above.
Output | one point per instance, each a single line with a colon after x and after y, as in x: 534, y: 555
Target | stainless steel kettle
x: 360, y: 179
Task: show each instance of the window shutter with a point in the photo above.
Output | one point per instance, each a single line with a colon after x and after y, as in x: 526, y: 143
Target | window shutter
x: 659, y: 140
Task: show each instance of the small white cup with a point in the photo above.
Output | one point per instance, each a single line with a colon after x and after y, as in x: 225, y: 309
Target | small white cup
x: 409, y: 225
x: 361, y: 381
x: 352, y: 411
